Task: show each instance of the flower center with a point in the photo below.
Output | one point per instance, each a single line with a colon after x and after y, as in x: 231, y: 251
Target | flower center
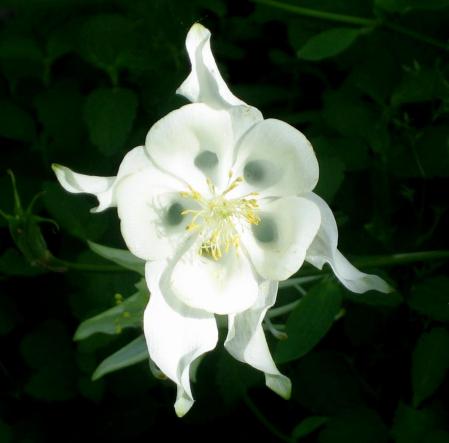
x: 218, y: 217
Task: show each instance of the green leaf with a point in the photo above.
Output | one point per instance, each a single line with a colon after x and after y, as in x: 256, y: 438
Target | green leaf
x: 15, y: 123
x: 5, y: 432
x: 411, y: 425
x: 121, y: 257
x: 17, y: 47
x: 326, y: 384
x: 377, y: 76
x: 62, y: 40
x: 20, y: 57
x: 403, y: 6
x: 332, y: 173
x: 432, y: 144
x: 134, y: 352
x: 310, y: 320
x: 127, y: 314
x: 431, y: 298
x: 351, y: 151
x: 430, y: 363
x: 72, y: 212
x: 52, y: 105
x: 374, y: 298
x: 48, y: 340
x: 348, y: 114
x: 234, y: 379
x: 307, y: 426
x: 358, y: 425
x: 437, y: 436
x: 219, y: 7
x: 8, y: 315
x: 109, y: 114
x: 93, y: 390
x: 14, y: 263
x: 54, y: 382
x: 48, y: 351
x: 420, y: 84
x: 329, y: 43
x: 106, y: 39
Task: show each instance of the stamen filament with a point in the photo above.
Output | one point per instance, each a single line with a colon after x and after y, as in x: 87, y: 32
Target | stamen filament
x: 218, y: 217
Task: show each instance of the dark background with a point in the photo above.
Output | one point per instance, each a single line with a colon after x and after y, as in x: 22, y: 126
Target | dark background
x: 82, y: 81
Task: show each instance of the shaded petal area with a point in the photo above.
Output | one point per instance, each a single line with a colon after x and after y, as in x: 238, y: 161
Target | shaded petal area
x: 176, y: 335
x: 246, y: 339
x: 324, y: 250
x: 150, y: 209
x: 277, y: 246
x: 102, y: 187
x: 276, y: 160
x: 192, y: 143
x: 223, y: 286
x: 205, y: 83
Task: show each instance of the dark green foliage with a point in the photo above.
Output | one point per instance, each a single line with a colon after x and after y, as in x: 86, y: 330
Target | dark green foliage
x: 309, y: 321
x: 430, y: 363
x: 81, y: 83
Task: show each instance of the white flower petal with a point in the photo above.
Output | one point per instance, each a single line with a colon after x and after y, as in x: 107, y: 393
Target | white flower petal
x: 149, y: 206
x: 204, y: 83
x: 243, y: 118
x: 246, y: 340
x: 102, y: 187
x: 276, y: 160
x: 176, y: 335
x: 223, y: 286
x: 324, y: 250
x: 192, y: 143
x: 277, y: 245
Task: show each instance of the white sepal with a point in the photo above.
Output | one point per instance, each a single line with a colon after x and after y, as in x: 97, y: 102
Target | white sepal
x: 246, y: 339
x: 102, y: 187
x: 205, y: 83
x: 324, y: 250
x: 176, y: 335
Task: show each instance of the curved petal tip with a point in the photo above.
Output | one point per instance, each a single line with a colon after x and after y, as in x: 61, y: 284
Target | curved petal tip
x: 280, y: 384
x: 183, y: 404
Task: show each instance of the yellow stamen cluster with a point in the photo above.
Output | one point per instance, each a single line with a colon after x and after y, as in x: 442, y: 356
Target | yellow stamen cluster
x: 217, y: 218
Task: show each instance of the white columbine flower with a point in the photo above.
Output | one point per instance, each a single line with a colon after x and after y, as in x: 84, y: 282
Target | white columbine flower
x: 219, y: 204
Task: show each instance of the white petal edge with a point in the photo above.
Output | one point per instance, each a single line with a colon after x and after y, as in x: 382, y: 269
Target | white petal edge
x: 145, y: 204
x: 223, y: 286
x: 246, y: 340
x: 276, y: 160
x: 102, y: 187
x: 324, y: 250
x: 291, y: 223
x: 176, y: 335
x: 205, y: 83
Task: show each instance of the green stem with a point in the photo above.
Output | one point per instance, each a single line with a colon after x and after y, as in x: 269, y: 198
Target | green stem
x: 357, y: 21
x: 67, y: 265
x: 270, y: 427
x: 399, y: 259
x: 415, y: 35
x: 277, y: 312
x: 303, y: 280
x: 372, y: 262
x: 323, y: 15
